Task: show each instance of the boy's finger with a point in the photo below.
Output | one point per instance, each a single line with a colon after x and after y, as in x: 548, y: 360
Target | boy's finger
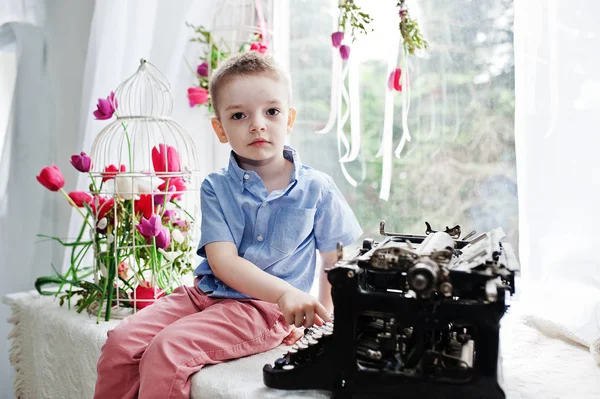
x: 318, y: 321
x: 299, y: 320
x: 321, y: 311
x: 310, y: 318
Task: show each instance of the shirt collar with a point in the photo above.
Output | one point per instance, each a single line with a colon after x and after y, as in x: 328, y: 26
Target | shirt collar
x: 237, y: 173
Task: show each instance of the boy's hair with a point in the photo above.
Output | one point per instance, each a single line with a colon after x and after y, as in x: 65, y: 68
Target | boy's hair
x: 250, y: 63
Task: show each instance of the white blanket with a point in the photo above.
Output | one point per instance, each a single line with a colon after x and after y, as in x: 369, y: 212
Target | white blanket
x: 54, y: 352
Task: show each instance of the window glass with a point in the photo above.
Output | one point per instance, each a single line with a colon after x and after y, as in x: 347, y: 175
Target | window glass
x: 459, y: 167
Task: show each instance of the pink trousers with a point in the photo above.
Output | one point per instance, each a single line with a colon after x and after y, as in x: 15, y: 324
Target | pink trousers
x: 154, y: 353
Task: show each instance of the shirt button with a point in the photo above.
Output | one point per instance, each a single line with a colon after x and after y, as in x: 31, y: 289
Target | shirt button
x: 260, y: 238
x: 246, y: 176
x: 264, y: 204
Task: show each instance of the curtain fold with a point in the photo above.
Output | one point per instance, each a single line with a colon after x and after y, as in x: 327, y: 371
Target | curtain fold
x: 557, y: 119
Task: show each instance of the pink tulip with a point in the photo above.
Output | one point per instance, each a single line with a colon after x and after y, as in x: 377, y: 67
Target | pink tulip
x: 81, y: 162
x: 106, y: 107
x: 202, y: 69
x: 159, y: 199
x: 258, y: 46
x: 197, y: 96
x: 336, y: 39
x: 80, y: 198
x: 165, y: 159
x: 123, y: 269
x: 147, y: 293
x: 345, y: 52
x: 150, y: 227
x: 163, y: 239
x: 51, y: 178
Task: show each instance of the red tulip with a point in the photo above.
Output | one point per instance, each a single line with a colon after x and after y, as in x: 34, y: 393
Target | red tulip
x: 110, y: 172
x: 179, y: 185
x: 345, y: 52
x: 165, y: 159
x: 394, y: 80
x: 258, y: 46
x: 197, y: 96
x: 80, y: 198
x: 147, y: 293
x: 336, y: 39
x: 144, y: 206
x: 51, y: 178
x: 101, y: 206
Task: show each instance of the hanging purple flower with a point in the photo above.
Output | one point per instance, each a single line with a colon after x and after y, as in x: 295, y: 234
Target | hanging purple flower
x: 345, y: 52
x: 150, y: 227
x: 403, y: 11
x: 81, y: 162
x: 336, y: 39
x: 202, y: 69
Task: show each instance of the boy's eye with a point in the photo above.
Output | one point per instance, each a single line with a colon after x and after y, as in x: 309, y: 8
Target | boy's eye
x: 237, y: 116
x: 273, y: 112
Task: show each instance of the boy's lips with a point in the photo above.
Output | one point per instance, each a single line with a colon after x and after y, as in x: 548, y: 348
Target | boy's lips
x: 259, y: 142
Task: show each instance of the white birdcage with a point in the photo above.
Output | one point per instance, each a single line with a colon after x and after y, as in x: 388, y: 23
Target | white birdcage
x: 237, y: 24
x: 146, y: 193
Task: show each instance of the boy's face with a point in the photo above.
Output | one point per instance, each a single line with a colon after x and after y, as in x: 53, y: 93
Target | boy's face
x: 254, y: 116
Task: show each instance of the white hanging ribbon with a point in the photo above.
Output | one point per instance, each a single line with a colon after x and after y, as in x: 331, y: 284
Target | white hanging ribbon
x: 405, y: 104
x: 385, y: 149
x: 342, y: 97
x: 336, y: 72
x: 354, y: 107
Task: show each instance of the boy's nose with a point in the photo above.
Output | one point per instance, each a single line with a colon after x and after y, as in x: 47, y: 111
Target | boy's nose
x: 257, y: 125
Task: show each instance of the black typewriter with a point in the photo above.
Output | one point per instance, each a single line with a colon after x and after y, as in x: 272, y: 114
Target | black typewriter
x: 414, y: 317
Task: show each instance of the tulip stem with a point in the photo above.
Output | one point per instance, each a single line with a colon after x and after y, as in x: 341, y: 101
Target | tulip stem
x: 93, y: 183
x: 128, y: 147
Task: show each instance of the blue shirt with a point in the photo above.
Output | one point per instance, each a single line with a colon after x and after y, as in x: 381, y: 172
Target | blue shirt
x: 279, y: 232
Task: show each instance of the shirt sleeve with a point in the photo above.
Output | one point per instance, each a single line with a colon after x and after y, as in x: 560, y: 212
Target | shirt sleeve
x: 334, y: 221
x: 214, y: 227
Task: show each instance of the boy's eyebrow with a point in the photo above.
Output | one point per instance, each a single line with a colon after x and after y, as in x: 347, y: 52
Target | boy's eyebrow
x: 237, y: 106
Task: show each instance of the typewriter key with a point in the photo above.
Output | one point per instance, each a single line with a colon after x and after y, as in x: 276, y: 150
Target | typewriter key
x: 279, y: 363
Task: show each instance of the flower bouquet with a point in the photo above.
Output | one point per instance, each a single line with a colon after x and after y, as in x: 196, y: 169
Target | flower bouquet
x: 138, y: 216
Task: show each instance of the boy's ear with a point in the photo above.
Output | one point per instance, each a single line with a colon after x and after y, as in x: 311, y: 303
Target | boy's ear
x: 219, y: 131
x: 291, y: 120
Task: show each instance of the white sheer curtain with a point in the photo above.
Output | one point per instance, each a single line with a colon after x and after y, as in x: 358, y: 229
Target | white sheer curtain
x: 24, y: 152
x: 557, y: 141
x: 121, y: 34
x: 70, y: 53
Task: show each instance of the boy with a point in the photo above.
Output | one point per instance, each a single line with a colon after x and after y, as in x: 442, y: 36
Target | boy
x: 263, y: 218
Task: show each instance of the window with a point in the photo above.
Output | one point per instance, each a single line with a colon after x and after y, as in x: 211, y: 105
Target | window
x: 459, y: 167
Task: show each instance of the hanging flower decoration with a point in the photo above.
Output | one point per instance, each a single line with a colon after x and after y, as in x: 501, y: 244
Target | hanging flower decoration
x: 350, y: 15
x: 409, y: 29
x: 412, y: 40
x: 198, y: 94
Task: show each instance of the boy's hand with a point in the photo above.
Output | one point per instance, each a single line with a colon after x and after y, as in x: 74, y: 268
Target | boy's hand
x: 301, y: 309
